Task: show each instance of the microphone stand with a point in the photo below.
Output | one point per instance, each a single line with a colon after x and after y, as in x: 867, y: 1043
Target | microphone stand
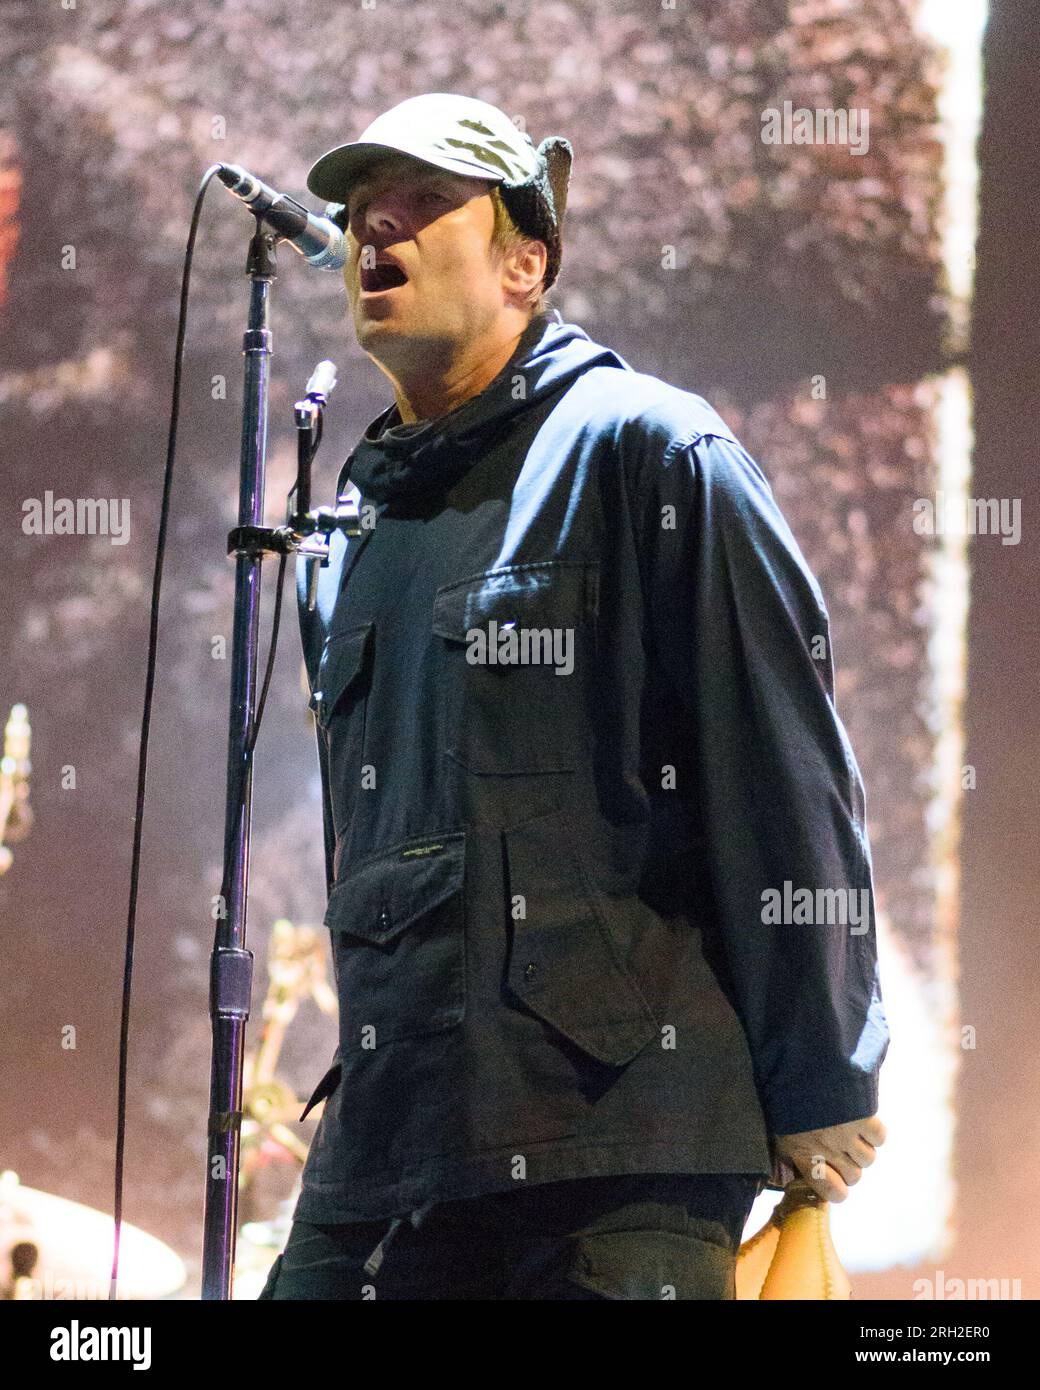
x: 231, y: 965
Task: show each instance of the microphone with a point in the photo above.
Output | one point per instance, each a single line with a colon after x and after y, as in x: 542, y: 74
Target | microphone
x: 322, y: 382
x: 317, y: 239
x: 308, y: 416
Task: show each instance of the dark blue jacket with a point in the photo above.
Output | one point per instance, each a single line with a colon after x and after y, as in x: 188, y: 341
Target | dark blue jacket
x: 554, y: 881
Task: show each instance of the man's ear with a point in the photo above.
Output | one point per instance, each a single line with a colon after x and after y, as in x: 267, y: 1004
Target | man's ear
x: 524, y: 269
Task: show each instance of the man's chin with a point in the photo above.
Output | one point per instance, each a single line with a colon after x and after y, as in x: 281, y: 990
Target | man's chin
x: 391, y: 342
x: 381, y: 316
x: 377, y: 326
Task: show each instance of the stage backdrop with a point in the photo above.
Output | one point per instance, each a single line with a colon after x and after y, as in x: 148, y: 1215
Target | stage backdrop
x: 797, y: 284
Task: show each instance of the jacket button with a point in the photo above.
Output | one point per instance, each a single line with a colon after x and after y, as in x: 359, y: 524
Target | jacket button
x: 530, y: 970
x: 384, y: 919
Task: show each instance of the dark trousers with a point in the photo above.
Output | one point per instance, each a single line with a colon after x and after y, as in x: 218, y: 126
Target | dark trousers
x: 649, y: 1236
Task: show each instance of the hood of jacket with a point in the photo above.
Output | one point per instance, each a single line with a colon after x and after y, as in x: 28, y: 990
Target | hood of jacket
x: 394, y: 460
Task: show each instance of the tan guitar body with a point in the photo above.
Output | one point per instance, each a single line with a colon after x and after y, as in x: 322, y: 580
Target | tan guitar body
x: 793, y: 1255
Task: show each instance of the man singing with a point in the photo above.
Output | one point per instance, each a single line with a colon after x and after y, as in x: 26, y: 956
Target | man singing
x: 599, y: 885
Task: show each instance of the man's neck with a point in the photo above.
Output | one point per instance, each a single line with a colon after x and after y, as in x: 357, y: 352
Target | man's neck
x: 437, y: 393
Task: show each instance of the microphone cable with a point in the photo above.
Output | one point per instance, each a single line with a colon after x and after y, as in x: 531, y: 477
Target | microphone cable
x: 142, y: 763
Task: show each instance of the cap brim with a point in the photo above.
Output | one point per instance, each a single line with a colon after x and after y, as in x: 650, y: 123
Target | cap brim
x: 331, y: 175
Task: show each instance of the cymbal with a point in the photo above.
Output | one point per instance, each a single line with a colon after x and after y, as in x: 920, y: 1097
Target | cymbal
x: 74, y: 1244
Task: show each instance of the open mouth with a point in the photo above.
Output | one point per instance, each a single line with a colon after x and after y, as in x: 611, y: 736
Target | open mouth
x: 384, y: 276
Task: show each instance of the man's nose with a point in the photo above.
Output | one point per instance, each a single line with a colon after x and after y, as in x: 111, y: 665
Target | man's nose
x: 386, y: 213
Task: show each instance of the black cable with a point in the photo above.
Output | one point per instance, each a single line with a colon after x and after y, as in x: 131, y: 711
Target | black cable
x: 243, y: 770
x: 142, y: 765
x: 269, y: 672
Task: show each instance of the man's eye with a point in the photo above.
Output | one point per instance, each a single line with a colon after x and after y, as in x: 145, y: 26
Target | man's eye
x: 429, y: 194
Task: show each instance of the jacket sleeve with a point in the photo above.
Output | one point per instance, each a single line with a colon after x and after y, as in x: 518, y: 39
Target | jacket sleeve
x: 736, y: 623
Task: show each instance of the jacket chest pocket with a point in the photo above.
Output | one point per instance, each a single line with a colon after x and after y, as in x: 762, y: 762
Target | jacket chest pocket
x: 340, y: 700
x: 398, y: 938
x: 518, y: 646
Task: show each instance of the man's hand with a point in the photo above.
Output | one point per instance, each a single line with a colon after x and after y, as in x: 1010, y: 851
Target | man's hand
x: 832, y: 1160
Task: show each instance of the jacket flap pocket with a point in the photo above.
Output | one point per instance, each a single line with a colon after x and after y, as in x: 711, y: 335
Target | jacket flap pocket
x: 553, y: 593
x: 381, y: 895
x: 564, y: 964
x: 342, y: 662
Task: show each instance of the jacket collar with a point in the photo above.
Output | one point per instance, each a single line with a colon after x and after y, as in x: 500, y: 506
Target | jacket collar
x: 393, y: 460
